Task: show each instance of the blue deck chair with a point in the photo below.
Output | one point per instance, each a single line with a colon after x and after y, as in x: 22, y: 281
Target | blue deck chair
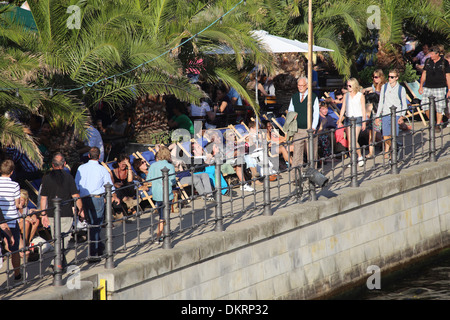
x: 148, y: 155
x: 330, y: 95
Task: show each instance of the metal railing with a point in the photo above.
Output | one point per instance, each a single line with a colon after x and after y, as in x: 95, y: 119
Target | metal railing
x: 195, y: 215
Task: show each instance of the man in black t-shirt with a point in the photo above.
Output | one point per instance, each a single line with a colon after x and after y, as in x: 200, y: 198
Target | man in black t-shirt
x: 59, y: 183
x: 434, y: 81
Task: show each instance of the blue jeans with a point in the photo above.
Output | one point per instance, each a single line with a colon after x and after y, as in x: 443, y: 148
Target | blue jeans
x: 94, y: 208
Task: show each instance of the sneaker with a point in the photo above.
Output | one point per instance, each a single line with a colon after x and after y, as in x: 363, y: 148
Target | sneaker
x: 360, y: 161
x: 247, y: 188
x: 210, y: 199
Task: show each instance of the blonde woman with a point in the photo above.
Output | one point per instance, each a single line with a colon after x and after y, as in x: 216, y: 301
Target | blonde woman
x: 354, y: 105
x: 163, y: 160
x: 31, y: 221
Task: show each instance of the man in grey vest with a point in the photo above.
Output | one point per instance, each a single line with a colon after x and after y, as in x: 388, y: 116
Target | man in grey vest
x: 299, y: 104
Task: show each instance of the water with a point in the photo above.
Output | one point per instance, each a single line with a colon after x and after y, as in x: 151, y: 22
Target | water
x: 426, y: 280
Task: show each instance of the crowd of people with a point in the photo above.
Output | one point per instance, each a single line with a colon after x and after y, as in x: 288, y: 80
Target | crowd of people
x: 79, y: 176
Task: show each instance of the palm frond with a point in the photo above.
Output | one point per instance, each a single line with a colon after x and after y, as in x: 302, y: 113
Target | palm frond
x: 14, y: 134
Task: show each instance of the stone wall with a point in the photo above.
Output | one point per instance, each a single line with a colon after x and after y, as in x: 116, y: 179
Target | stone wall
x: 302, y: 252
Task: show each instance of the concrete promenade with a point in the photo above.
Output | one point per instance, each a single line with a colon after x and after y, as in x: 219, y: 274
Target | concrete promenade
x: 195, y: 241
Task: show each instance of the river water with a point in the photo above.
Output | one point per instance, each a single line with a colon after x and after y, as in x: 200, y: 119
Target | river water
x: 426, y: 280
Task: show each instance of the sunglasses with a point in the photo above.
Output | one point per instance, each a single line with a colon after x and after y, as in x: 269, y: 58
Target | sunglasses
x: 349, y: 86
x: 375, y: 77
x: 392, y: 77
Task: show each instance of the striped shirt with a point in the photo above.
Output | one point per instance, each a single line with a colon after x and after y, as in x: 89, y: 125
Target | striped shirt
x: 9, y: 192
x: 22, y: 159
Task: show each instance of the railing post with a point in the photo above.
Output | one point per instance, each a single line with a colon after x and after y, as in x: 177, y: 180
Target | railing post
x: 432, y: 128
x: 267, y: 207
x: 219, y: 217
x: 57, y: 265
x: 354, y: 156
x: 166, y: 229
x: 312, y: 188
x: 394, y: 169
x: 109, y: 263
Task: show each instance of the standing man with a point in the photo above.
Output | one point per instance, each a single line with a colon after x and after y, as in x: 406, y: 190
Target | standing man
x: 9, y: 201
x: 59, y: 183
x: 299, y: 104
x: 434, y: 82
x: 94, y: 139
x: 391, y: 94
x: 90, y: 179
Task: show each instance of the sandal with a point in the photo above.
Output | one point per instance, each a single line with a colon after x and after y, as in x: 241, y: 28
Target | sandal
x: 370, y: 156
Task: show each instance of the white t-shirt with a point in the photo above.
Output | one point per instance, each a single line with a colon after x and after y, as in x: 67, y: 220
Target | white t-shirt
x: 95, y: 140
x: 201, y: 111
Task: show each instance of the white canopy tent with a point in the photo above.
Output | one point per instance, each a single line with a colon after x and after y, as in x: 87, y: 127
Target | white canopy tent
x: 278, y: 44
x: 271, y: 43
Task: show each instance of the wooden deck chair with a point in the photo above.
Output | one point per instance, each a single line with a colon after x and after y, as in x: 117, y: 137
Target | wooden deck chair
x: 145, y: 195
x: 239, y: 135
x: 413, y: 89
x: 275, y: 121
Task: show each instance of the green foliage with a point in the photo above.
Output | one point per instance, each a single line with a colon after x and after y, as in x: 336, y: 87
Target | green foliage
x: 408, y: 75
x: 365, y: 76
x: 115, y: 36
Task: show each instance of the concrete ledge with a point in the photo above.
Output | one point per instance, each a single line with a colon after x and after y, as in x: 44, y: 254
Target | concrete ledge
x: 237, y: 236
x: 85, y: 292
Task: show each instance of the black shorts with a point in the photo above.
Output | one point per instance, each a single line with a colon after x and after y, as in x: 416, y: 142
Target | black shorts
x: 16, y: 234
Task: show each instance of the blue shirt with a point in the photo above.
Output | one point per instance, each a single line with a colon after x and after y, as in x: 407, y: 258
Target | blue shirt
x: 154, y: 172
x: 91, y: 178
x: 232, y: 93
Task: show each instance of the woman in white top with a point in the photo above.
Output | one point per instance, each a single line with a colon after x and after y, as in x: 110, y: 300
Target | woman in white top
x: 354, y: 105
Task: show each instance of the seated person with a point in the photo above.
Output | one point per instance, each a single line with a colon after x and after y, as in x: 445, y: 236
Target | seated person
x: 326, y: 122
x: 31, y: 221
x: 222, y: 107
x: 180, y: 119
x: 272, y: 136
x: 141, y: 168
x: 199, y: 180
x: 118, y: 127
x: 204, y: 111
x: 229, y: 165
x: 122, y: 176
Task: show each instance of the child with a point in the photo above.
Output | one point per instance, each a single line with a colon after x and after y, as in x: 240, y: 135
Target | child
x: 163, y: 159
x: 31, y: 221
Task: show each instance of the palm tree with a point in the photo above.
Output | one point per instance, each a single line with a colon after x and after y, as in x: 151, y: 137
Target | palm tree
x: 338, y: 25
x: 421, y: 17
